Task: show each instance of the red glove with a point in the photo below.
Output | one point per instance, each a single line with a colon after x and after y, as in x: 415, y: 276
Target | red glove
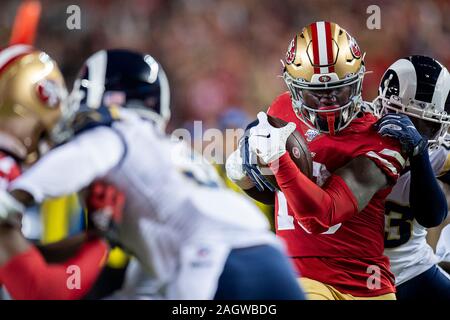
x: 105, y: 205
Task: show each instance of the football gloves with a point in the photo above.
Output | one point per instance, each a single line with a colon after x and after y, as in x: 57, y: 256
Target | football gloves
x: 250, y: 162
x: 235, y: 171
x: 242, y: 166
x: 250, y: 166
x: 268, y: 142
x: 260, y: 140
x: 400, y: 127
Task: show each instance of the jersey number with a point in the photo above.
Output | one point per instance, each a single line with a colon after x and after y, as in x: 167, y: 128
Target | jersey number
x: 398, y: 225
x: 286, y: 222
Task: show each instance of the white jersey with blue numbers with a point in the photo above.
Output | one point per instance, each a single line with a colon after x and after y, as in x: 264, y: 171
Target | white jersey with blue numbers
x: 178, y: 220
x: 405, y: 239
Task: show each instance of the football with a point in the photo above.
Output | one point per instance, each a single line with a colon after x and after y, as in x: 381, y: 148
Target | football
x: 296, y: 147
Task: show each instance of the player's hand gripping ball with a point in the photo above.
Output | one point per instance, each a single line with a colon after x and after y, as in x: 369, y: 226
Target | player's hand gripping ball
x: 271, y: 138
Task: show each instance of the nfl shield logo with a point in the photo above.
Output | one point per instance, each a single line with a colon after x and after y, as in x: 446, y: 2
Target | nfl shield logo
x: 310, y: 134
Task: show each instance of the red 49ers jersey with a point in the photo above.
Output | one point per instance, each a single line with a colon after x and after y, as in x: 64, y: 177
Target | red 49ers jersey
x: 348, y: 254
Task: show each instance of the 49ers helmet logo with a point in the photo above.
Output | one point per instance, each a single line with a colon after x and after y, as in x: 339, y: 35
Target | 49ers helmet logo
x: 290, y: 54
x: 324, y: 78
x: 48, y: 92
x: 356, y: 51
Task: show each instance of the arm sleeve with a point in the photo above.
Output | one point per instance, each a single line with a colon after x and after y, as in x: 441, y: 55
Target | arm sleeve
x: 72, y: 166
x: 426, y: 198
x: 28, y: 277
x: 316, y: 208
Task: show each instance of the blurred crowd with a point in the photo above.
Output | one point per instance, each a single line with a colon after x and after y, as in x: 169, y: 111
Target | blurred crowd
x: 223, y: 55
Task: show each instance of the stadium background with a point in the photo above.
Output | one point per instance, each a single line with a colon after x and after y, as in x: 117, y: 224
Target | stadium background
x: 222, y: 54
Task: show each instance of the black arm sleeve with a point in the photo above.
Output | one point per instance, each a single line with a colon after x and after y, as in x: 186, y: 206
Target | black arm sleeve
x: 427, y: 200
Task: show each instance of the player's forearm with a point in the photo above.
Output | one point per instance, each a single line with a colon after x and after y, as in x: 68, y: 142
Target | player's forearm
x: 316, y: 208
x: 427, y: 200
x: 61, y: 172
x: 28, y: 277
x: 62, y: 250
x: 72, y: 166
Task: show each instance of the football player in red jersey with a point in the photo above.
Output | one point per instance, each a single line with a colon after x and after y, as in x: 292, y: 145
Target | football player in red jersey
x: 32, y: 90
x: 333, y: 226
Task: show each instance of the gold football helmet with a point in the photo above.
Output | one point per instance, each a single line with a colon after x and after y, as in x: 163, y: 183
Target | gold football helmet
x: 323, y: 71
x: 32, y: 96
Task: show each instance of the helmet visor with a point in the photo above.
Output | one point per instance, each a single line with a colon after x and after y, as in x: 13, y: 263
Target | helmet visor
x: 328, y: 110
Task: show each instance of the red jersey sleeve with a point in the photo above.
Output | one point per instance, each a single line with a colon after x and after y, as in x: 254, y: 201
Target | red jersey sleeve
x: 317, y: 209
x: 281, y: 107
x: 387, y: 156
x: 40, y: 280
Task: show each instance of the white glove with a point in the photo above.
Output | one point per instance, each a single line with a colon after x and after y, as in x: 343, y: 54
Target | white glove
x: 235, y: 172
x: 268, y: 142
x: 10, y: 209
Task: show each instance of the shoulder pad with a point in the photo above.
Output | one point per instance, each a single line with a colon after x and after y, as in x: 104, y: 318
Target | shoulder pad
x: 92, y: 118
x: 279, y: 104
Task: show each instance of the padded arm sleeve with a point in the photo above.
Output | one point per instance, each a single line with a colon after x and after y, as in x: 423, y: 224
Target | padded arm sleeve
x: 426, y: 198
x: 317, y: 209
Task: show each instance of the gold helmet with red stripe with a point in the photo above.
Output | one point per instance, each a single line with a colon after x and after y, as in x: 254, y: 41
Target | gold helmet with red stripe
x: 324, y: 70
x: 32, y: 97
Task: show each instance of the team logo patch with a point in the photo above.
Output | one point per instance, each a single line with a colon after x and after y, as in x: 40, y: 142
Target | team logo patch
x: 356, y: 51
x: 311, y: 134
x: 290, y: 54
x: 324, y: 78
x: 48, y: 92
